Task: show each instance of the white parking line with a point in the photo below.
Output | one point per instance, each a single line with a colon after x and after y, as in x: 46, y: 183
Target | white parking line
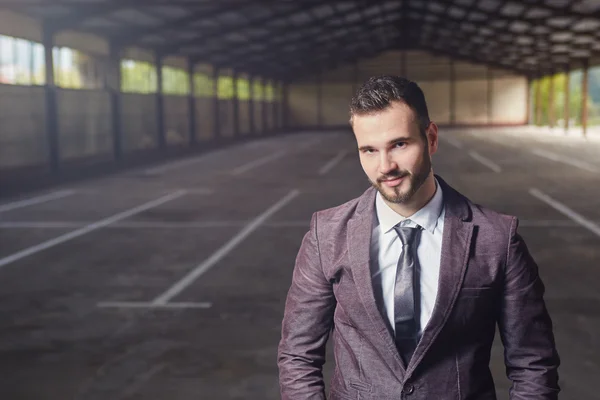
x: 558, y: 158
x: 485, y: 161
x: 224, y: 250
x: 335, y: 161
x: 581, y: 220
x: 256, y: 163
x: 87, y: 229
x: 36, y: 200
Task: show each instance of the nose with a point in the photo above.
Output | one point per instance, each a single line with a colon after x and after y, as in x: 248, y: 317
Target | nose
x: 386, y: 164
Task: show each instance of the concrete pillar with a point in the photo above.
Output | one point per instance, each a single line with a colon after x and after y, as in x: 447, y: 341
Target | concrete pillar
x: 236, y: 105
x: 551, y: 114
x: 490, y: 94
x: 251, y: 104
x: 584, y: 98
x: 160, y: 104
x: 52, y: 133
x: 567, y: 89
x: 320, y: 98
x: 192, y: 102
x: 355, y: 83
x: 114, y: 91
x: 217, y: 109
x: 538, y: 100
x: 452, y: 93
x: 286, y: 105
x: 263, y: 110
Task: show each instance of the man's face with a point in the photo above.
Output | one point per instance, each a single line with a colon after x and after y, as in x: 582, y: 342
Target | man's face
x: 393, y: 154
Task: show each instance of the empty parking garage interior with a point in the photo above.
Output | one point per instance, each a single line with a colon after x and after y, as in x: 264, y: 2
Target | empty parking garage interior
x: 160, y: 162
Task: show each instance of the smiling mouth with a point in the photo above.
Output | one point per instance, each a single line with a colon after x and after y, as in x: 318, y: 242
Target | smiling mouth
x: 393, y: 182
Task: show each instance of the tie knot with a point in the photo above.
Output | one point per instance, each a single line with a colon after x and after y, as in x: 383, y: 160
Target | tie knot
x: 407, y: 234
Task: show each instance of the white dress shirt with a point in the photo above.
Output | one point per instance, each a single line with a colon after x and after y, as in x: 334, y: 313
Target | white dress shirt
x: 386, y: 248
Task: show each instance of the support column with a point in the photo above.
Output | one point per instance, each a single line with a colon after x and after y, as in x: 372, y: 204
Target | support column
x: 490, y: 94
x: 277, y: 104
x: 114, y: 91
x: 286, y: 105
x: 538, y: 100
x: 320, y: 98
x: 355, y: 83
x: 52, y: 132
x: 452, y: 93
x: 584, y: 98
x: 192, y: 103
x: 567, y: 89
x: 251, y: 104
x: 263, y: 110
x: 551, y: 112
x: 216, y: 105
x: 160, y: 104
x: 236, y: 105
x: 272, y: 107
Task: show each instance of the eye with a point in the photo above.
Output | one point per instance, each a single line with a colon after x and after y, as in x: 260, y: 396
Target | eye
x: 400, y: 144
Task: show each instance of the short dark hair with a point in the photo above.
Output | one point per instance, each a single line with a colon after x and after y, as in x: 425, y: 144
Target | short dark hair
x: 378, y: 93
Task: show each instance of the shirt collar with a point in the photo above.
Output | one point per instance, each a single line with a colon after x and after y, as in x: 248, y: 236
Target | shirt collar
x: 427, y: 216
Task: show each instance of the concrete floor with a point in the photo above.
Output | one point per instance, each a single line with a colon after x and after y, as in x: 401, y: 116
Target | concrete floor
x: 169, y: 282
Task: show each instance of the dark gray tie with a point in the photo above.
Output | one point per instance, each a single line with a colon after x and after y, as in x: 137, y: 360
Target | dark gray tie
x: 406, y: 293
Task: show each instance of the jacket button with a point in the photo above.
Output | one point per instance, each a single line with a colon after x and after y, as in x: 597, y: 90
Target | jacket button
x: 408, y: 389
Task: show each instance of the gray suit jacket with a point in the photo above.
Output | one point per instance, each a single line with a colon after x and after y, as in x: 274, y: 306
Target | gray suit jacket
x: 487, y: 276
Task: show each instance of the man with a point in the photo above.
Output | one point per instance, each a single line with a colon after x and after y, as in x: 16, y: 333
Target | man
x: 411, y: 278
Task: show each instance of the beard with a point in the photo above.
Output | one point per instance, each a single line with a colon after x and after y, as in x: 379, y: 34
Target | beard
x: 414, y: 179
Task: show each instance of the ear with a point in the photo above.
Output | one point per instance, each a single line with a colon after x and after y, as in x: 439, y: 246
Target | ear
x: 432, y: 137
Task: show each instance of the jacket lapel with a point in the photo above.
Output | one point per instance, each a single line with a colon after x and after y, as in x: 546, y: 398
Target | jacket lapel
x: 359, y: 232
x: 456, y: 242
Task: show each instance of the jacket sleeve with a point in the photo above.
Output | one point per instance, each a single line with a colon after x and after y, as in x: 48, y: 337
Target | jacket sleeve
x: 307, y: 321
x: 525, y: 327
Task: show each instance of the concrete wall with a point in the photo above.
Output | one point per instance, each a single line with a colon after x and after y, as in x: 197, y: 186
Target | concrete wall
x: 244, y: 117
x: 22, y: 126
x: 177, y: 120
x: 302, y: 103
x: 481, y: 95
x: 205, y: 111
x: 139, y: 121
x: 258, y: 118
x: 84, y: 123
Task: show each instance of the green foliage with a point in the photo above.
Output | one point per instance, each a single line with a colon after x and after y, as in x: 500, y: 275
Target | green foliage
x: 175, y: 81
x: 138, y: 77
x: 243, y: 89
x: 203, y: 85
x: 257, y: 90
x: 575, y: 99
x: 269, y: 92
x: 225, y: 87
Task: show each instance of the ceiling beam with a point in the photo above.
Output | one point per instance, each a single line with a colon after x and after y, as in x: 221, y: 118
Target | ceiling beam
x: 132, y: 36
x: 252, y: 23
x: 79, y: 15
x: 305, y: 42
x: 270, y: 38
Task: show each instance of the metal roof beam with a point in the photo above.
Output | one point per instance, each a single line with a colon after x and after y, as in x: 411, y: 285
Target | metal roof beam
x: 272, y: 36
x: 252, y: 23
x: 79, y: 15
x: 132, y: 35
x: 303, y: 40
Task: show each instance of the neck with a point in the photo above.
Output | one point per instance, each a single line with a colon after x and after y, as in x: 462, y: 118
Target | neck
x: 418, y: 201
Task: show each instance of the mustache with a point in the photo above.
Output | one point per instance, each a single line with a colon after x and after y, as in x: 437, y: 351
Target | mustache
x: 393, y: 175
